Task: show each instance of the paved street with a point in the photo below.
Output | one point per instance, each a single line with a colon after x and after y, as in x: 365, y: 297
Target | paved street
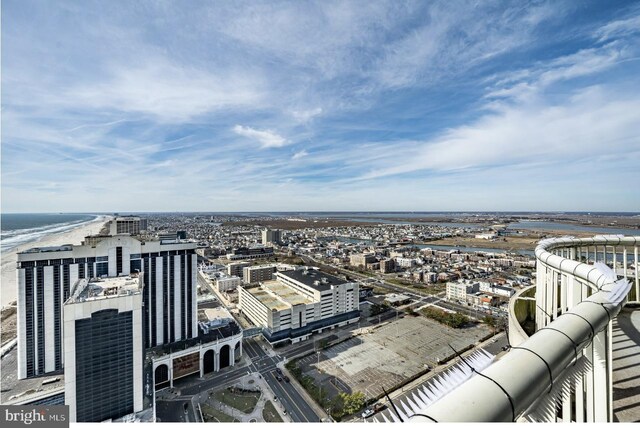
x: 262, y: 362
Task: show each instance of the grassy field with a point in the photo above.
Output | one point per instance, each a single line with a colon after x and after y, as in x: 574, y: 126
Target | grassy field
x: 270, y: 414
x: 213, y: 415
x: 243, y: 402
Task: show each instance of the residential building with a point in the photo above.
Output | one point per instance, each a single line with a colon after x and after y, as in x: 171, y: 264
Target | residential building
x: 362, y: 260
x: 405, y: 262
x: 459, y: 290
x: 271, y: 236
x: 228, y: 283
x: 298, y: 303
x: 500, y: 290
x: 430, y: 277
x: 255, y: 274
x: 103, y: 358
x: 235, y: 269
x: 387, y: 265
x: 480, y: 299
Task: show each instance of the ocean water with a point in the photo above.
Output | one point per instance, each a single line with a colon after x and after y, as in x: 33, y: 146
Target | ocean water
x: 18, y: 229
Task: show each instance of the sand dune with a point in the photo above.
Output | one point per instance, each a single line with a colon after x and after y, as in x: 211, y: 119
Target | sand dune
x: 8, y: 288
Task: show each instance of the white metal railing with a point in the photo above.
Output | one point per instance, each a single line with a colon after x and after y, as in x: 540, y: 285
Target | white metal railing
x: 564, y: 370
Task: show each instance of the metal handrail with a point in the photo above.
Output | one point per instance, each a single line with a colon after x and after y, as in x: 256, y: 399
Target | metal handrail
x: 509, y: 387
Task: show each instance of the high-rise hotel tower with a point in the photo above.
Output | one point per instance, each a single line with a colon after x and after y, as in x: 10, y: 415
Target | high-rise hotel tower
x: 46, y: 275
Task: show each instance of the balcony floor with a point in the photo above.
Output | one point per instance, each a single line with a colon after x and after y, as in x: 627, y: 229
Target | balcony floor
x: 626, y: 366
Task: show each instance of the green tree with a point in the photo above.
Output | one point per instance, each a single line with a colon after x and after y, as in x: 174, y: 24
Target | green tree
x: 489, y: 320
x: 353, y: 402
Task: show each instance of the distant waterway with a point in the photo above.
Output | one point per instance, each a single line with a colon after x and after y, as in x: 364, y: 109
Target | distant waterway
x: 520, y: 225
x: 435, y: 247
x: 346, y: 240
x: 471, y: 249
x: 551, y: 225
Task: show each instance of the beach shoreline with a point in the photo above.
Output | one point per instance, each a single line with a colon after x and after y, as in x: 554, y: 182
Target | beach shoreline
x: 8, y: 286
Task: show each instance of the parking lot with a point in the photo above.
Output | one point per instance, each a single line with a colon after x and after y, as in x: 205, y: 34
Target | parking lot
x: 387, y: 356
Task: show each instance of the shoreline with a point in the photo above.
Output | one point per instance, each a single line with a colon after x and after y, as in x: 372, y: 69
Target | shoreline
x: 8, y: 286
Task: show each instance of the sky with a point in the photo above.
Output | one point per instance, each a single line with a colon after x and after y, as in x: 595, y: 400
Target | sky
x: 124, y: 106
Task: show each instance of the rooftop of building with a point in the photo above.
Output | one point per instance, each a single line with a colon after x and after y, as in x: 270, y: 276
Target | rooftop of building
x: 16, y: 391
x: 65, y: 247
x: 257, y: 267
x: 208, y: 331
x: 287, y: 294
x: 269, y: 300
x: 313, y: 278
x: 104, y: 288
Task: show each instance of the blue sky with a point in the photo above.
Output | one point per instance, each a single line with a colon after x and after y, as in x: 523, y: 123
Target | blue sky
x: 348, y: 105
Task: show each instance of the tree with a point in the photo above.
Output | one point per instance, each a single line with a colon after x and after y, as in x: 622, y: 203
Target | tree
x: 489, y: 320
x: 352, y: 402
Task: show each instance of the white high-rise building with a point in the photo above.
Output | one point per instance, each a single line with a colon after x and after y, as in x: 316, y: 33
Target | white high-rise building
x: 104, y: 347
x: 46, y: 275
x: 271, y: 236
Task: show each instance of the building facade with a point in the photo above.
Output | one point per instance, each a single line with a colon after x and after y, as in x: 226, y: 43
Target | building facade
x: 235, y: 268
x: 387, y: 265
x: 460, y: 290
x: 246, y: 253
x: 255, y: 274
x: 500, y: 290
x: 299, y: 303
x: 129, y: 225
x: 46, y: 275
x: 103, y: 356
x: 271, y: 236
x: 228, y: 283
x: 362, y: 259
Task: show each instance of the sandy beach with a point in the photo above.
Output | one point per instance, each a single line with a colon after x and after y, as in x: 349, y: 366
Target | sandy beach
x: 8, y: 290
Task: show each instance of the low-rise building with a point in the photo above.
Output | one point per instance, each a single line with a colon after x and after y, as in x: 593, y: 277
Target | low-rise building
x: 480, y: 299
x: 500, y: 290
x: 405, y: 262
x: 362, y: 260
x: 430, y: 277
x: 227, y: 284
x: 397, y: 299
x: 257, y: 252
x: 387, y: 265
x: 460, y: 290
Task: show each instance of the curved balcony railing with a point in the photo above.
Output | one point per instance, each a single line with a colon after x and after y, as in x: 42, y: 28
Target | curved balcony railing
x: 563, y: 372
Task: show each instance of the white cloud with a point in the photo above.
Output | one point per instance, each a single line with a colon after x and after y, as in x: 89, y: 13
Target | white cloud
x: 305, y: 116
x: 168, y: 91
x: 615, y: 29
x: 593, y: 122
x: 300, y: 154
x: 519, y: 85
x: 266, y: 138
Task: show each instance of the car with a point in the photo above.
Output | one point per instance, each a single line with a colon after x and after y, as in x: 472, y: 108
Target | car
x: 286, y: 379
x: 367, y: 413
x: 279, y: 371
x: 278, y: 378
